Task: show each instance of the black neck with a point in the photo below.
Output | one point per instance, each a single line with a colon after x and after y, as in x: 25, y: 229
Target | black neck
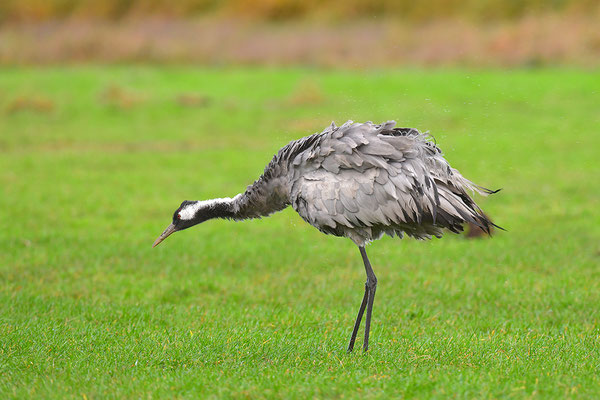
x: 220, y: 208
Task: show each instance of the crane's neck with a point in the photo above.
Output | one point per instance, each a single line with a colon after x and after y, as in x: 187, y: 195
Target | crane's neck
x: 264, y: 197
x: 196, y: 212
x: 243, y: 206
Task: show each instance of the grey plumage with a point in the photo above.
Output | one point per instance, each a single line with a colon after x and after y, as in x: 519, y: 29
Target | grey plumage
x: 359, y: 181
x: 365, y: 180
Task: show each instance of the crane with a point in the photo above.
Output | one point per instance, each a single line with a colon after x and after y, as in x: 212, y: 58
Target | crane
x: 359, y: 181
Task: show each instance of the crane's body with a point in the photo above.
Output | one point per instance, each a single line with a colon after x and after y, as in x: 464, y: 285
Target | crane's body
x: 359, y: 181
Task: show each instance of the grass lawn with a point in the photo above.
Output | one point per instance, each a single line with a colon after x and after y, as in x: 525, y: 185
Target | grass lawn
x: 94, y: 160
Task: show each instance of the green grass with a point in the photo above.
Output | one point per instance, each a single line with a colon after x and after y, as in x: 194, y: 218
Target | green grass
x: 264, y: 309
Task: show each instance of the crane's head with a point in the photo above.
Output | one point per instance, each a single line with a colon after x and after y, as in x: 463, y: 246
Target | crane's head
x: 191, y: 213
x: 188, y: 214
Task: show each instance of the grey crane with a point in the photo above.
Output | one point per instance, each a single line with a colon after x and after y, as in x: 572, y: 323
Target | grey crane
x: 358, y: 181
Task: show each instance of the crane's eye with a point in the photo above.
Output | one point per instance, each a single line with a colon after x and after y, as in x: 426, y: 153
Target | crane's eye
x: 178, y: 216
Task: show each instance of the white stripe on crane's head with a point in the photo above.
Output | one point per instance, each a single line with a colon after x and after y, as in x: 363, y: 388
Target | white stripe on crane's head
x: 189, y: 211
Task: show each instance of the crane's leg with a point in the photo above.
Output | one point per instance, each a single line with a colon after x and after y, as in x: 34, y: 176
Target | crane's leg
x: 372, y: 285
x: 367, y: 302
x: 359, y: 318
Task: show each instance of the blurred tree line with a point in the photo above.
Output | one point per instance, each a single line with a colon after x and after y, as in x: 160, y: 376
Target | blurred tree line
x: 274, y: 10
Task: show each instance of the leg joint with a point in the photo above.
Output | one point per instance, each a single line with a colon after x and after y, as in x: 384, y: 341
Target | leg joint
x: 371, y: 283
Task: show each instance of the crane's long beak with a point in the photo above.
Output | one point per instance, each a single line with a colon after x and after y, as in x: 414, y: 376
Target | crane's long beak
x: 170, y: 229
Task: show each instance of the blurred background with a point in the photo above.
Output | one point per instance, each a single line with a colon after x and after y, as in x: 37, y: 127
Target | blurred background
x: 113, y: 112
x: 350, y: 34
